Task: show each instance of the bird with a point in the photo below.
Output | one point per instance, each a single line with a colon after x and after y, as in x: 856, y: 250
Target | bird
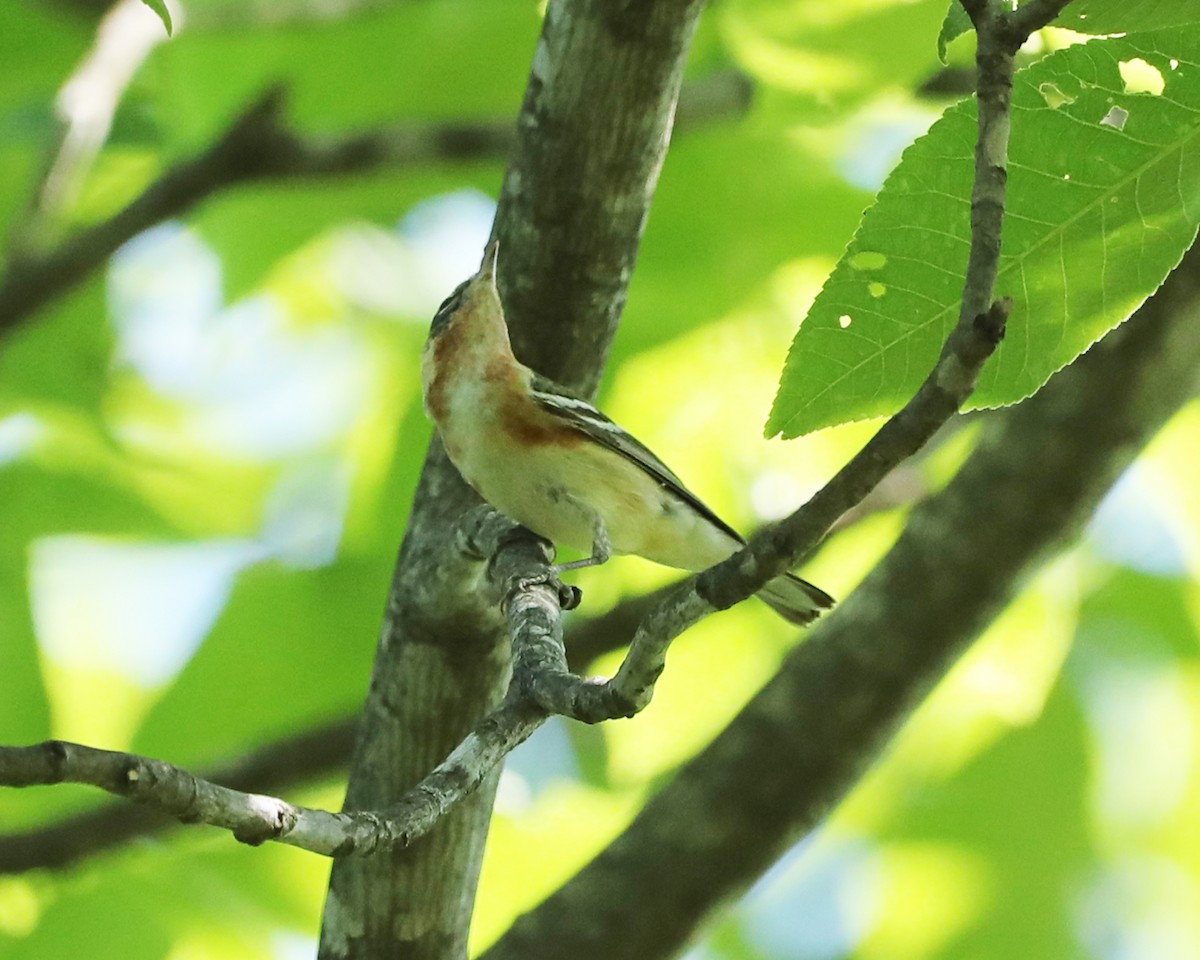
x: 554, y: 463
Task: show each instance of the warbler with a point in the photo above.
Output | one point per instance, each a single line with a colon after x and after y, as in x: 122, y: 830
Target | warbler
x: 554, y: 463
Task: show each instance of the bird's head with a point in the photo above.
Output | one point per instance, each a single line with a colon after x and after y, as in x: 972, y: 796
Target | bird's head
x: 477, y: 292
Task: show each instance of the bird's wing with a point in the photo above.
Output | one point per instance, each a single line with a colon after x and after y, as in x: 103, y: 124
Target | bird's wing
x: 582, y: 416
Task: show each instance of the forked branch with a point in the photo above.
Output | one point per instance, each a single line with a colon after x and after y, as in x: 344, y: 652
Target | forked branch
x: 542, y: 684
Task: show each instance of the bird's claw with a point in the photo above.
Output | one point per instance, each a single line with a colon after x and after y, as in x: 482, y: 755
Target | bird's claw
x: 569, y: 595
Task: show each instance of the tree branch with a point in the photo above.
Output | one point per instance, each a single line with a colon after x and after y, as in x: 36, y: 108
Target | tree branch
x: 272, y: 768
x: 1030, y: 18
x: 542, y: 676
x: 519, y: 564
x: 281, y: 765
x: 776, y: 549
x: 84, y: 109
x: 831, y: 707
x: 252, y: 819
x: 803, y: 742
x: 970, y: 344
x: 255, y: 818
x: 259, y: 146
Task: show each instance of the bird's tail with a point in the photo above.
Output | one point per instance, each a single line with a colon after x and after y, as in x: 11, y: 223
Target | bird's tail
x: 796, y: 600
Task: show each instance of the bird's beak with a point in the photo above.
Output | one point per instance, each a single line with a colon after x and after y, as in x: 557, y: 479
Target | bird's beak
x: 487, y: 270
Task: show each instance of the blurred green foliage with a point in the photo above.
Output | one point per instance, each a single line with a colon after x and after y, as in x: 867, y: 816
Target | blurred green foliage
x: 207, y: 452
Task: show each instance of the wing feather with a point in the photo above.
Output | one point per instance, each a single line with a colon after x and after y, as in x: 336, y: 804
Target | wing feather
x: 580, y: 415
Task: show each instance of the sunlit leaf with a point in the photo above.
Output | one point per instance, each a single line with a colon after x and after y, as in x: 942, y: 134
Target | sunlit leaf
x: 202, y: 897
x: 1117, y: 16
x: 532, y: 851
x: 1138, y: 617
x: 1104, y: 197
x: 254, y: 229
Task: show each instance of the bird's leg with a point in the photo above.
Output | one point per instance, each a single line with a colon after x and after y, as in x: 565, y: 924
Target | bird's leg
x: 568, y: 594
x: 601, y: 549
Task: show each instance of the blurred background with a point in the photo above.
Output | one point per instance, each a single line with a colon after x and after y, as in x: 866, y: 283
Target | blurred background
x: 208, y: 447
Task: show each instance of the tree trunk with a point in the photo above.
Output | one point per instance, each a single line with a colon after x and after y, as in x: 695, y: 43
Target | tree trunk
x: 592, y: 135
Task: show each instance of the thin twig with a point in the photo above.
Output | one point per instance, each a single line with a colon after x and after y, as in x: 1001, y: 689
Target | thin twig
x: 254, y: 818
x: 274, y: 767
x: 975, y: 337
x: 324, y: 750
x: 84, y: 108
x: 802, y: 743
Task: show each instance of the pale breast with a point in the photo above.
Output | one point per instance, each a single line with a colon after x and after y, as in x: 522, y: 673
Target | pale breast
x: 556, y: 481
x: 639, y: 515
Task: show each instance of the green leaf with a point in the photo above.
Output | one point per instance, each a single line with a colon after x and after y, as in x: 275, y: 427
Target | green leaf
x: 1139, y: 617
x: 1123, y: 16
x: 160, y: 8
x: 1104, y: 197
x: 181, y: 896
x: 954, y: 26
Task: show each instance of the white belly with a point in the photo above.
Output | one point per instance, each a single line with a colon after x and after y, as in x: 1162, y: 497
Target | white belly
x: 558, y: 493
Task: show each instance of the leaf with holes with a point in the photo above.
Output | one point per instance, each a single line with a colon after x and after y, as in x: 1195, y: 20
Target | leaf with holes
x: 1104, y: 197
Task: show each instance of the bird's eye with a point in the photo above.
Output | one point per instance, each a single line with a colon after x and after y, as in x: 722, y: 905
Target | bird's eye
x: 447, y: 309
